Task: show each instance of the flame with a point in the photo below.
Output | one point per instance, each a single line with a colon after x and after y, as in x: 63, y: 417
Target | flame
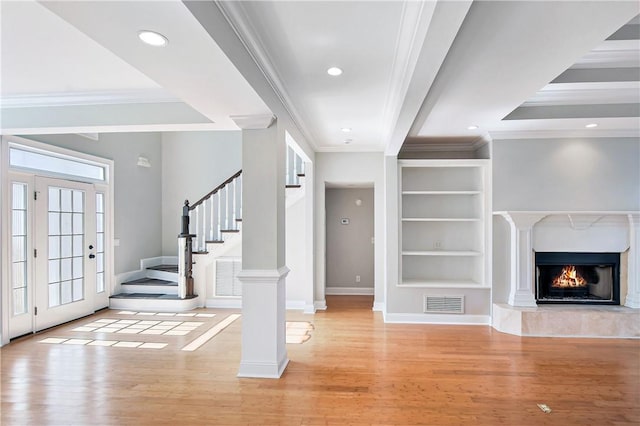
x: 569, y: 278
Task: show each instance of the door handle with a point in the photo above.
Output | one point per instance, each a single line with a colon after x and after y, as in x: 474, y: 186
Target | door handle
x: 92, y: 256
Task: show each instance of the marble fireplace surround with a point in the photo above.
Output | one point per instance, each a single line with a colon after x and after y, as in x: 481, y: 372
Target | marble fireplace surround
x: 567, y: 231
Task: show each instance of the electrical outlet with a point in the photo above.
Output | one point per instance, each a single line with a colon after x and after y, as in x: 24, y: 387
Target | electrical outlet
x: 437, y: 245
x: 357, y: 278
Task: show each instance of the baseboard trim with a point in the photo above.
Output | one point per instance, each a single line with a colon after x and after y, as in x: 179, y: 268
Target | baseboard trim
x: 224, y: 303
x: 229, y: 303
x: 320, y: 305
x: 451, y: 319
x: 349, y: 291
x: 378, y: 306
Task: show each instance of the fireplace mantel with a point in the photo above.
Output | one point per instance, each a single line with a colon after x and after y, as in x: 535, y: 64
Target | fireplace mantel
x: 626, y: 226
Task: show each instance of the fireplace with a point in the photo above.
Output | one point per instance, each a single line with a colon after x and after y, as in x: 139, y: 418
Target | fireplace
x: 582, y: 278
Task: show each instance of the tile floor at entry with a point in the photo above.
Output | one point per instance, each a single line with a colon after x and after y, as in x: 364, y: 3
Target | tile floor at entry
x: 92, y: 330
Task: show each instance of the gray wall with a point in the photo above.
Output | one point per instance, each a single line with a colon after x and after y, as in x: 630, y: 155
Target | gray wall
x: 349, y: 248
x: 137, y: 190
x: 193, y: 163
x: 566, y: 174
x: 559, y: 175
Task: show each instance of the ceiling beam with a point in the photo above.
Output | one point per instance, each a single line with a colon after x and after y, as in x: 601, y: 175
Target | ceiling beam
x: 445, y: 22
x: 103, y: 118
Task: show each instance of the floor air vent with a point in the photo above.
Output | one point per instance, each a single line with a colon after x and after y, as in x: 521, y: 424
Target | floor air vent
x: 444, y: 304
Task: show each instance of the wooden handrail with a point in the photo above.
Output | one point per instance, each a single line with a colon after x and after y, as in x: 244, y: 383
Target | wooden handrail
x: 218, y: 188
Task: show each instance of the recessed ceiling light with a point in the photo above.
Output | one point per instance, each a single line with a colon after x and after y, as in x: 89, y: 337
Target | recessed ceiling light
x: 334, y: 71
x: 473, y: 127
x: 348, y: 141
x: 153, y: 38
x: 591, y: 125
x: 346, y: 129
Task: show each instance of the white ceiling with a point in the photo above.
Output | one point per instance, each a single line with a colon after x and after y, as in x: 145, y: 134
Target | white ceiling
x: 422, y: 70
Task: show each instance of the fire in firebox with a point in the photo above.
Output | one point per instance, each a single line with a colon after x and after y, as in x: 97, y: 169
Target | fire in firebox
x: 569, y: 277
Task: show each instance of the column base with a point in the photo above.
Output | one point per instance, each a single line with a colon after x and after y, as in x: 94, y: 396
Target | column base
x: 264, y: 354
x: 522, y: 299
x: 262, y: 370
x: 632, y: 301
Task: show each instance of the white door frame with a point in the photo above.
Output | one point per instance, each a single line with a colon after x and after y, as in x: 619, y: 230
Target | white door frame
x: 105, y: 187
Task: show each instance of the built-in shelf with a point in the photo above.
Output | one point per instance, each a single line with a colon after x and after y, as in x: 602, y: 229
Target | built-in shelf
x: 444, y: 204
x: 441, y: 253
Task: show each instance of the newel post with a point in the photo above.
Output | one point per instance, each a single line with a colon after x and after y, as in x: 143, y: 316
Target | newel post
x: 185, y: 256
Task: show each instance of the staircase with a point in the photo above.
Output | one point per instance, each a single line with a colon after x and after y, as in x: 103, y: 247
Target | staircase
x: 211, y: 221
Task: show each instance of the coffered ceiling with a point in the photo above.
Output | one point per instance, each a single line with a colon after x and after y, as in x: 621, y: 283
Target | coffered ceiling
x: 414, y: 73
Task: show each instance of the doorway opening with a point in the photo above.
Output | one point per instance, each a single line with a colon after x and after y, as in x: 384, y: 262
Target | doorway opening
x: 349, y: 267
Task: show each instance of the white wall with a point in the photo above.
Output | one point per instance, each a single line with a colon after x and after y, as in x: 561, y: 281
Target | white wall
x: 297, y: 278
x: 345, y: 168
x: 559, y: 175
x: 566, y: 174
x: 137, y: 190
x: 349, y: 248
x: 193, y: 163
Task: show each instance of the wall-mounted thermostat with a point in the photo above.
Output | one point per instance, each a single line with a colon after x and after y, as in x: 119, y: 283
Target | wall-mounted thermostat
x: 344, y: 221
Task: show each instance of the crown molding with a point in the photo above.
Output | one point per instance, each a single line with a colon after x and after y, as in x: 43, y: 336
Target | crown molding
x: 565, y: 134
x: 599, y: 94
x: 453, y: 146
x: 611, y: 54
x: 36, y: 100
x: 235, y: 14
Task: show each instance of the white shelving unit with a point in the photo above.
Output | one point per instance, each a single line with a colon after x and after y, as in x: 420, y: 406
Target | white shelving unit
x: 445, y: 224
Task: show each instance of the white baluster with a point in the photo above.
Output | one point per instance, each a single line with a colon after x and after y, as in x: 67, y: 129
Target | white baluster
x: 196, y: 225
x: 233, y: 193
x: 299, y: 165
x: 240, y: 196
x: 211, y: 214
x: 287, y: 178
x: 219, y: 219
x: 204, y: 226
x: 226, y: 207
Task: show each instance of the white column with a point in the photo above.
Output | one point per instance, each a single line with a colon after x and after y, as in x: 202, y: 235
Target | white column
x: 263, y: 253
x: 309, y: 211
x: 633, y: 272
x: 522, y: 264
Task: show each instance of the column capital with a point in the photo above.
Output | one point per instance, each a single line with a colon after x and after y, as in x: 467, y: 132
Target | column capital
x: 253, y: 122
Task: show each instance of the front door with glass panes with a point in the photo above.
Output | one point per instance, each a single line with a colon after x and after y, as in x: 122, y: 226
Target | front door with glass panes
x: 65, y: 244
x: 59, y: 225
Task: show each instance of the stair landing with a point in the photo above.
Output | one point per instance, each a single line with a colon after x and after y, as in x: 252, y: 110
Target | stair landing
x: 156, y: 291
x: 150, y: 296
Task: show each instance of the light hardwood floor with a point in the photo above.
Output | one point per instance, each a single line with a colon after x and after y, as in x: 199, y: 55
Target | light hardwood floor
x: 354, y: 370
